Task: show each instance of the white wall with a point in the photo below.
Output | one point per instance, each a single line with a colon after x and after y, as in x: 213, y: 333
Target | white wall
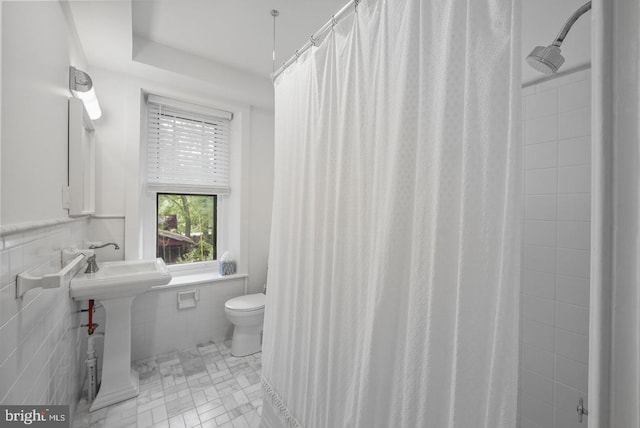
x: 1, y: 112
x: 159, y: 326
x: 261, y: 196
x: 39, y: 333
x: 555, y: 290
x: 226, y: 81
x: 117, y: 159
x: 36, y: 55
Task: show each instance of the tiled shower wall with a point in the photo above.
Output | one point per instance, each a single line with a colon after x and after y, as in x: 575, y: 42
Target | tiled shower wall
x: 555, y: 289
x: 40, y: 338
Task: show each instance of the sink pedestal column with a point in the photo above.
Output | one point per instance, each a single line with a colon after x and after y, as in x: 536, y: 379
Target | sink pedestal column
x: 119, y: 380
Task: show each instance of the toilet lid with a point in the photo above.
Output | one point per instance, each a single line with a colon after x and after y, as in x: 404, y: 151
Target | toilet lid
x: 250, y: 302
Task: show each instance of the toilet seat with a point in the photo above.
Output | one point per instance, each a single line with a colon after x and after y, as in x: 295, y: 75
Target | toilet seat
x: 250, y: 302
x: 246, y: 313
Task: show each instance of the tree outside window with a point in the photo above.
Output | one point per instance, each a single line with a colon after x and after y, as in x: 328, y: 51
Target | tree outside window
x: 186, y: 228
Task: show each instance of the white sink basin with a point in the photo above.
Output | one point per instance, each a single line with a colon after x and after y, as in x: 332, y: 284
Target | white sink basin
x: 119, y: 279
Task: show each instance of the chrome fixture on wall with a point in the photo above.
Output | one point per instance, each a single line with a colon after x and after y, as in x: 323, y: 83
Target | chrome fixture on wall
x: 98, y: 245
x: 81, y: 86
x: 549, y: 59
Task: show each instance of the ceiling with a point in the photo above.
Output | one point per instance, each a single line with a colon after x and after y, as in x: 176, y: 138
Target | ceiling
x: 237, y: 35
x: 232, y: 33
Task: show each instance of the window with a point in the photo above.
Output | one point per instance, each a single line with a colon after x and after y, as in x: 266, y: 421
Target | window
x: 187, y: 169
x: 186, y: 231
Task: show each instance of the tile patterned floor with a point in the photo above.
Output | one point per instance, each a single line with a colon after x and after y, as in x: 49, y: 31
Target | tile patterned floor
x: 200, y: 387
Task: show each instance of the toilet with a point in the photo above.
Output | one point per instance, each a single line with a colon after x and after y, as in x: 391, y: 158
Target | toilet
x: 246, y: 313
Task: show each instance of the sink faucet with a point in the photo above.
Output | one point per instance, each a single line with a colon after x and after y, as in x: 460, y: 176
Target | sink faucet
x: 92, y: 266
x: 115, y: 246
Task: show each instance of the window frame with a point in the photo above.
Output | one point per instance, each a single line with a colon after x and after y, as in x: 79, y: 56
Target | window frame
x: 226, y: 202
x: 214, y: 215
x: 149, y: 232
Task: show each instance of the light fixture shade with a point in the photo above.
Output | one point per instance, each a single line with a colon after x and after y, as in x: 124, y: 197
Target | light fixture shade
x: 81, y: 86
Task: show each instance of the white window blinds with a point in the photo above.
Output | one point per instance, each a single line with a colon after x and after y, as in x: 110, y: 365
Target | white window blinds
x: 187, y: 148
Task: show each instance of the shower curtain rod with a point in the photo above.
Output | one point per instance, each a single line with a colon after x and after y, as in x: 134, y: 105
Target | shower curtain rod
x: 318, y: 36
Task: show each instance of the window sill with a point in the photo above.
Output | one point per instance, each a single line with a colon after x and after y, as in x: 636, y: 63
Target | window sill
x: 180, y: 279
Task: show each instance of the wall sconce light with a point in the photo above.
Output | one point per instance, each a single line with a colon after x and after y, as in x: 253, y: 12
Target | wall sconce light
x: 81, y: 86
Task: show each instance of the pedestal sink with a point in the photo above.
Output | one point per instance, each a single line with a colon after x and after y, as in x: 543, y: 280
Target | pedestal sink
x: 115, y: 285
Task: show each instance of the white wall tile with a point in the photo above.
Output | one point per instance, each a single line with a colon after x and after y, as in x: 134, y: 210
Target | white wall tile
x: 537, y: 411
x: 31, y: 317
x: 541, y: 181
x: 568, y: 418
x: 539, y: 284
x: 538, y: 360
x: 576, y: 235
x: 539, y: 309
x: 5, y: 275
x: 573, y: 262
x: 562, y: 80
x: 574, y: 96
x: 107, y: 230
x: 574, y: 179
x: 542, y: 259
x: 572, y: 290
x: 574, y: 207
x: 542, y: 130
x: 572, y: 318
x: 10, y: 305
x: 574, y: 151
x: 544, y: 155
x: 16, y: 263
x: 37, y: 345
x: 537, y: 386
x: 567, y: 398
x: 540, y: 233
x: 540, y: 207
x: 572, y: 346
x: 542, y: 104
x: 557, y: 205
x: 8, y: 338
x: 572, y: 373
x: 526, y: 423
x: 8, y: 375
x: 538, y: 334
x: 13, y: 239
x: 574, y: 123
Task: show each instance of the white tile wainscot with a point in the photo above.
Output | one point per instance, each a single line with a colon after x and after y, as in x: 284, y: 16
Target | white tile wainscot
x: 160, y: 327
x: 40, y: 335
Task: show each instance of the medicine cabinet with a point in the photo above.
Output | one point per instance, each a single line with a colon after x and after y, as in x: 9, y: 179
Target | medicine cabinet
x: 82, y: 160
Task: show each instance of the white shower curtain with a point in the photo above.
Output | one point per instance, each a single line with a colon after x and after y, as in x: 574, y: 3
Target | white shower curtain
x: 392, y: 297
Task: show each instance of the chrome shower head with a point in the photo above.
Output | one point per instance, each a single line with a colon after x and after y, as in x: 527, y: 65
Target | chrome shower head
x: 546, y: 60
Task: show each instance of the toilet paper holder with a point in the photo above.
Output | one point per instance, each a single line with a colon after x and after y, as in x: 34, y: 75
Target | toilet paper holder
x: 188, y: 299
